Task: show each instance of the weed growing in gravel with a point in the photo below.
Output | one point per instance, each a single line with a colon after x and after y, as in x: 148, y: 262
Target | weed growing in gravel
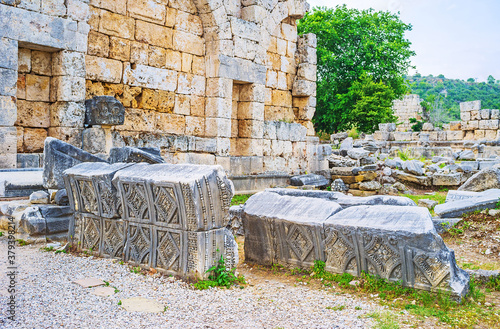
x: 1, y: 233
x: 220, y: 276
x: 119, y: 302
x: 336, y: 308
x: 22, y: 242
x: 136, y: 269
x: 58, y: 251
x: 384, y: 320
x: 494, y: 283
x: 47, y: 249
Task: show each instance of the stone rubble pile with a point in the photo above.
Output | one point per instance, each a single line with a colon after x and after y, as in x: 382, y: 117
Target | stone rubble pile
x: 389, y: 237
x: 163, y: 216
x: 364, y: 170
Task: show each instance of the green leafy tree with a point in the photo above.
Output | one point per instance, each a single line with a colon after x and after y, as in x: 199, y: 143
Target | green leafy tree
x: 471, y: 80
x: 370, y: 103
x: 350, y: 43
x: 491, y: 79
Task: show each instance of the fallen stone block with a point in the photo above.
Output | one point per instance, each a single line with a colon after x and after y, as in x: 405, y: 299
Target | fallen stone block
x: 20, y: 182
x: 427, y: 203
x: 59, y: 156
x: 483, y: 180
x: 443, y: 224
x: 309, y: 179
x: 446, y: 179
x: 398, y: 244
x: 39, y: 197
x: 409, y: 178
x: 414, y: 167
x: 456, y: 195
x: 285, y: 229
x: 457, y: 209
x: 164, y: 216
x: 132, y: 154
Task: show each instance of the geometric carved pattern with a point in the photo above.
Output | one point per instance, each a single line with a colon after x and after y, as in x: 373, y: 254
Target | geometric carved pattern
x: 136, y: 201
x: 114, y: 236
x: 340, y: 254
x: 165, y: 205
x: 382, y: 257
x: 430, y: 270
x: 107, y: 200
x: 88, y: 197
x: 139, y: 242
x: 91, y: 233
x: 188, y: 199
x: 168, y: 250
x: 299, y: 238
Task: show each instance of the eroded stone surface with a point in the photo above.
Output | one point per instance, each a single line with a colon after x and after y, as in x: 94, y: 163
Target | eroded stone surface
x: 104, y: 110
x: 170, y: 217
x: 397, y: 243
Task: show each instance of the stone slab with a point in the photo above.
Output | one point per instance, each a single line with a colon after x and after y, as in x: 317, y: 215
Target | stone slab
x: 89, y: 282
x: 141, y: 304
x: 133, y: 154
x: 20, y: 182
x: 309, y: 179
x: 103, y: 291
x: 399, y: 244
x: 457, y: 209
x: 59, y: 156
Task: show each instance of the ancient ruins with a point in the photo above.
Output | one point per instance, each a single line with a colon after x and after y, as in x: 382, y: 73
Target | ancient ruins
x: 205, y: 82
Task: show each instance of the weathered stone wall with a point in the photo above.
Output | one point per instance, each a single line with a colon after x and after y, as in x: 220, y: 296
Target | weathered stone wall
x: 205, y: 81
x: 477, y: 123
x: 208, y: 83
x: 406, y: 108
x: 42, y: 50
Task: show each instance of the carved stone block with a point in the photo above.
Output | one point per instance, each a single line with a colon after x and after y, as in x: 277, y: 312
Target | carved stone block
x: 104, y: 110
x: 169, y: 217
x: 133, y: 154
x: 395, y: 242
x: 187, y: 197
x: 91, y: 189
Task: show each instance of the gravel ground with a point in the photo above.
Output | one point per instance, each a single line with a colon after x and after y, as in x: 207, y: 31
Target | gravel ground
x: 47, y: 298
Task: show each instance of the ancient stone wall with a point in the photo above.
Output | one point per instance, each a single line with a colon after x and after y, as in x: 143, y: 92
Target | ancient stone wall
x: 208, y: 82
x: 42, y: 75
x: 406, y: 108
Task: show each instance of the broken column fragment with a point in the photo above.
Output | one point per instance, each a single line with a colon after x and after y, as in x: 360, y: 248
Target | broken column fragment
x: 59, y: 156
x: 169, y: 217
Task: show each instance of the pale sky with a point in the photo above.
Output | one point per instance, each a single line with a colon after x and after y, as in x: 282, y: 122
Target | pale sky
x: 457, y: 38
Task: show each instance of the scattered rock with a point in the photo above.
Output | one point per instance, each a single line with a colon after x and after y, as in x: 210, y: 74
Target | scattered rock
x: 483, y: 180
x: 339, y: 186
x: 346, y: 144
x: 61, y: 197
x: 427, y: 203
x: 309, y: 179
x: 414, y: 167
x: 467, y: 155
x: 357, y: 153
x: 370, y: 186
x: 39, y: 197
x: 447, y: 179
x: 493, y: 212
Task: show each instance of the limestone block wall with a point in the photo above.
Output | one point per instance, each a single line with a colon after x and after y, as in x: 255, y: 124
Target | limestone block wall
x: 42, y: 46
x: 205, y: 81
x: 406, y: 108
x: 479, y: 123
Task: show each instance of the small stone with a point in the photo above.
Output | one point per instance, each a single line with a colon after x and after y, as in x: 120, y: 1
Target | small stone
x: 339, y: 186
x: 39, y: 197
x: 427, y: 203
x: 488, y: 252
x: 61, y: 197
x: 141, y: 304
x: 370, y: 186
x: 354, y: 283
x: 494, y: 212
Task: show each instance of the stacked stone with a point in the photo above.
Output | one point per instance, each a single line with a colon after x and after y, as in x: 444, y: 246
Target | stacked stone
x: 406, y: 108
x: 479, y: 123
x: 42, y: 48
x: 355, y: 179
x: 163, y: 216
